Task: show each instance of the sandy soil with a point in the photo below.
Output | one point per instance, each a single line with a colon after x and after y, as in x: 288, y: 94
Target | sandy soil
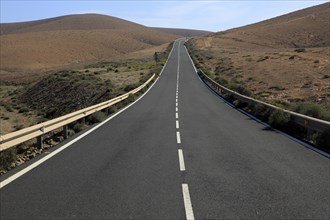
x: 265, y: 57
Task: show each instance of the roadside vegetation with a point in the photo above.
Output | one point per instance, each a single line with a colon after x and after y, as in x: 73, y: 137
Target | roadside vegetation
x: 276, y: 118
x: 64, y: 92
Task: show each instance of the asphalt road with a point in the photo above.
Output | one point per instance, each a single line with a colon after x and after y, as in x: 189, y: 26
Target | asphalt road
x: 180, y: 152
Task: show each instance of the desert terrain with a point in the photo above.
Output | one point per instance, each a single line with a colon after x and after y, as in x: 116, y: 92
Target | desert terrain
x: 284, y: 60
x: 55, y: 66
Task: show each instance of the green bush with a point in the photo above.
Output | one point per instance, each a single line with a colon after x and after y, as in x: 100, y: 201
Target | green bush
x: 96, y: 117
x: 79, y: 127
x: 239, y: 88
x: 311, y: 109
x: 221, y: 81
x: 278, y: 118
x: 238, y: 104
x: 130, y: 98
x: 244, y: 91
x: 7, y: 157
x: 261, y: 111
x: 23, y: 110
x: 129, y: 87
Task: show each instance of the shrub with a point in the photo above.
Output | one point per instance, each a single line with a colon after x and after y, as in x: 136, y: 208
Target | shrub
x: 111, y: 109
x: 108, y: 83
x: 311, y: 109
x: 65, y: 73
x: 221, y: 81
x: 5, y: 118
x: 130, y: 98
x: 323, y: 140
x: 242, y: 90
x: 7, y: 157
x: 18, y: 127
x: 50, y: 113
x: 96, y: 117
x: 23, y: 110
x: 129, y: 87
x: 79, y: 127
x: 278, y: 118
x: 300, y: 50
x: 238, y: 104
x: 261, y: 111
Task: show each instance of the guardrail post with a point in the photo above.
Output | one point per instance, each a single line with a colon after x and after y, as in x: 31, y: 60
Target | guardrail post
x: 65, y: 131
x: 39, y: 142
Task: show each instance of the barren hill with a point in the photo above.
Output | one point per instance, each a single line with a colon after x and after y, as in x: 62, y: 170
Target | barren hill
x: 73, y: 40
x: 183, y: 32
x: 70, y: 22
x: 304, y: 28
x: 283, y: 59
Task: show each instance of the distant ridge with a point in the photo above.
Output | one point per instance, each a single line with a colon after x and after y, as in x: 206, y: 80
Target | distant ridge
x: 183, y: 32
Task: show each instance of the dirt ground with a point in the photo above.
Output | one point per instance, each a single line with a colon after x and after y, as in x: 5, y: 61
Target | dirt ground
x: 286, y: 58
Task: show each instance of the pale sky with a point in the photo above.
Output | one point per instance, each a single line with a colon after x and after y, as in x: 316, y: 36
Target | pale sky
x: 204, y: 15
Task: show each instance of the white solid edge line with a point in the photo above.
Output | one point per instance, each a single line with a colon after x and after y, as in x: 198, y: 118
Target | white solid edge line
x: 37, y: 163
x: 286, y: 135
x: 177, y: 124
x: 323, y: 153
x: 181, y: 160
x: 187, y: 202
x: 178, y: 138
x: 190, y: 59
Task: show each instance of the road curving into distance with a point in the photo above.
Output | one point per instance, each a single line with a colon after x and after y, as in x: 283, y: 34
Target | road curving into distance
x: 180, y: 152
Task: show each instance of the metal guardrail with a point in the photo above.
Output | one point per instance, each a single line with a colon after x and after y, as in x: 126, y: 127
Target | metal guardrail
x: 309, y: 123
x: 36, y: 131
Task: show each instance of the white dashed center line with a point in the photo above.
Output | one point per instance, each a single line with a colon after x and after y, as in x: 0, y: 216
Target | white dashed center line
x: 187, y: 202
x: 185, y: 188
x: 178, y: 138
x: 181, y: 160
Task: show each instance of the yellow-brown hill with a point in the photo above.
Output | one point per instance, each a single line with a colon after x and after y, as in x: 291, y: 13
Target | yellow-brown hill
x: 73, y: 40
x: 284, y: 59
x: 304, y: 28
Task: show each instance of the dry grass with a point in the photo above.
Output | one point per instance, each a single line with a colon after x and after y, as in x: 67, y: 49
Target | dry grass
x: 264, y: 58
